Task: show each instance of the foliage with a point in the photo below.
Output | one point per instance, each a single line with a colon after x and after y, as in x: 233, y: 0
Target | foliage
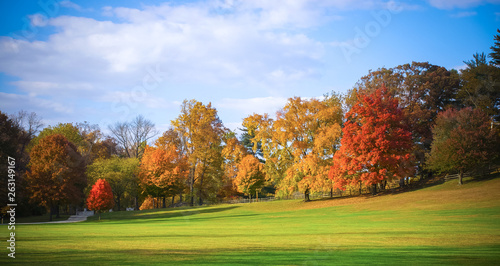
x: 57, y: 172
x: 299, y: 143
x: 495, y: 50
x: 121, y: 174
x: 480, y: 86
x: 100, y: 197
x: 201, y: 132
x: 376, y: 145
x: 68, y: 130
x: 251, y: 176
x: 422, y: 89
x: 463, y: 141
x: 164, y: 167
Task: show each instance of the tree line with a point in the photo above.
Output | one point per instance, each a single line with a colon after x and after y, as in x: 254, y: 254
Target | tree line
x: 409, y: 121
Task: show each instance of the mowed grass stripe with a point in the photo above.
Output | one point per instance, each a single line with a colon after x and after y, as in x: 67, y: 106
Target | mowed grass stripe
x: 390, y: 229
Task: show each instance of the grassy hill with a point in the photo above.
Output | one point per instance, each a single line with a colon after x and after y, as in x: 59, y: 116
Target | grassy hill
x: 442, y: 224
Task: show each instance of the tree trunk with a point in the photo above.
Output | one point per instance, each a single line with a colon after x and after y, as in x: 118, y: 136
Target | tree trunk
x: 180, y: 197
x: 306, y: 195
x: 57, y: 212
x: 460, y: 177
x: 173, y: 200
x: 402, y: 182
x: 136, y: 203
x: 99, y: 215
x: 360, y: 187
x: 118, y: 202
x: 200, y: 191
x: 51, y: 212
x: 257, y: 194
x: 164, y: 202
x: 191, y: 186
x: 374, y: 189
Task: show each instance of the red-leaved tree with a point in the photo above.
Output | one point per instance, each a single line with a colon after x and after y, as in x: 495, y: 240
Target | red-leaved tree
x: 376, y: 145
x: 100, y: 197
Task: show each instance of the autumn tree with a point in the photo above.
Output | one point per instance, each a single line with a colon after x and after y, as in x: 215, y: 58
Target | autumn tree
x: 164, y: 167
x: 376, y: 145
x: 122, y: 176
x: 298, y: 144
x: 57, y: 173
x: 422, y: 89
x: 463, y: 141
x: 100, y: 197
x: 233, y: 152
x: 201, y: 132
x: 251, y: 176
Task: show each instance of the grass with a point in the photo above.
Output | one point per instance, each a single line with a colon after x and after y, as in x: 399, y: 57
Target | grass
x: 444, y: 224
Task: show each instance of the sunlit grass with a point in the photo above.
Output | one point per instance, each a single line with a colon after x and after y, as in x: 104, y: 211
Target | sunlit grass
x: 444, y: 224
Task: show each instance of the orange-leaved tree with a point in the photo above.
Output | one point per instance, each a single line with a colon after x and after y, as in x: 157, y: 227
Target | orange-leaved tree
x: 233, y: 152
x: 164, y: 170
x: 376, y: 146
x: 100, y: 197
x: 57, y: 173
x: 251, y: 176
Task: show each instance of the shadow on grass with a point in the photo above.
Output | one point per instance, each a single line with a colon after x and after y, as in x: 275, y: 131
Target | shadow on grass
x: 162, y: 214
x: 418, y: 185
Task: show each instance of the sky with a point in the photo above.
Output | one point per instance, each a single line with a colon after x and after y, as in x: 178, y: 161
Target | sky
x: 109, y: 61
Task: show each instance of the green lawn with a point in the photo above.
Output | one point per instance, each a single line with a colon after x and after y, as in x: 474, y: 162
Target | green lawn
x: 444, y: 224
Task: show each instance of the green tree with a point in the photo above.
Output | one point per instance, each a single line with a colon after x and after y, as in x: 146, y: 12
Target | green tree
x: 121, y: 174
x: 495, y: 50
x: 481, y: 86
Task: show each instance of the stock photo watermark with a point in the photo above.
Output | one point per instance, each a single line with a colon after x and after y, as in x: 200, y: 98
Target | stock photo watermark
x: 11, y: 212
x: 364, y: 36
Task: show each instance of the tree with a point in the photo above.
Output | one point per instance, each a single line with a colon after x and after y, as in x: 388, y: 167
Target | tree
x: 68, y: 130
x: 134, y: 135
x: 164, y: 167
x: 376, y: 145
x: 233, y: 152
x: 304, y: 132
x: 251, y: 176
x: 422, y: 89
x: 9, y: 139
x: 201, y: 132
x: 480, y: 86
x: 495, y: 50
x: 122, y: 176
x: 57, y: 173
x: 100, y: 197
x: 463, y: 140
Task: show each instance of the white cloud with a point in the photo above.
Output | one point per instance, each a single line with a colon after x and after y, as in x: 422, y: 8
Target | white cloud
x: 71, y: 5
x: 260, y: 105
x: 13, y: 102
x: 464, y: 14
x: 447, y: 4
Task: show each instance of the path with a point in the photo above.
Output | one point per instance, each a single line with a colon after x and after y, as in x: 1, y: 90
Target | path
x: 79, y: 217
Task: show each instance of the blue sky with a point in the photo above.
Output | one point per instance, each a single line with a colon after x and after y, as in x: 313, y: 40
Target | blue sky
x: 107, y: 61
